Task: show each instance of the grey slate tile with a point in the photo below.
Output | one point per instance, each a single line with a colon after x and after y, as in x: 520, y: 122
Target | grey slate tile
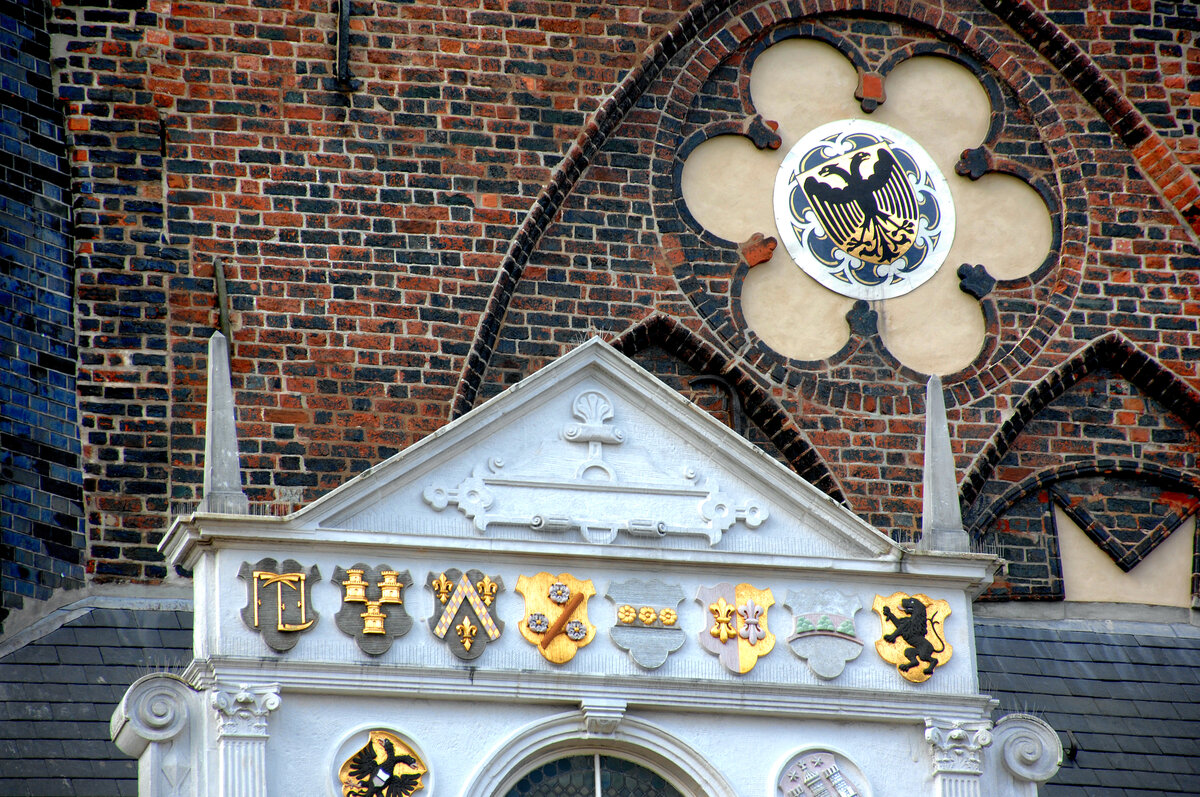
x: 1129, y: 698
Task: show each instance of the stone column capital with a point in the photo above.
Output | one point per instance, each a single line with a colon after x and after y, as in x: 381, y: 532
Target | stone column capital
x: 243, y: 710
x: 957, y: 745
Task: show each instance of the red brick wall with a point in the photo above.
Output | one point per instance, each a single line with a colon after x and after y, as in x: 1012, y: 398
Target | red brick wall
x: 501, y: 185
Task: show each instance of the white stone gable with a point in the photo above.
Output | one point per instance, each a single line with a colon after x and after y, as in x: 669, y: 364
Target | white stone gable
x: 593, y: 450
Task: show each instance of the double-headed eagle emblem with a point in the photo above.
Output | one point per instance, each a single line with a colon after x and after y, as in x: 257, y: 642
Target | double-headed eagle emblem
x: 872, y: 216
x: 385, y: 767
x: 863, y: 209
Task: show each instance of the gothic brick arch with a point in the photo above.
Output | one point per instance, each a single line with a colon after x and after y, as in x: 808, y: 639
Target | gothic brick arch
x: 752, y: 399
x: 1178, y: 184
x: 1112, y: 351
x: 1110, y: 438
x: 1020, y: 524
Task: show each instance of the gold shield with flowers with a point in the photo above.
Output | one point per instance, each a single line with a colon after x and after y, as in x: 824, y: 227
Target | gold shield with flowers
x: 556, y: 621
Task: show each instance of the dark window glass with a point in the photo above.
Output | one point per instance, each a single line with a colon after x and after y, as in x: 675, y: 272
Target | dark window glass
x: 576, y: 777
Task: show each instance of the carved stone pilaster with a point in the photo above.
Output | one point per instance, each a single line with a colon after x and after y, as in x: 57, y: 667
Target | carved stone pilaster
x: 957, y: 749
x: 153, y: 723
x: 242, y: 732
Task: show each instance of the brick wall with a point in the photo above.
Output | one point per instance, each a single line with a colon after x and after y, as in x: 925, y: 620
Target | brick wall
x: 41, y: 540
x: 501, y: 184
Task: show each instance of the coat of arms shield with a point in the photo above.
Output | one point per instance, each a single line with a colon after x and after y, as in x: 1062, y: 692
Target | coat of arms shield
x: 464, y: 596
x: 556, y: 621
x: 647, y: 620
x: 736, y: 630
x: 913, y: 634
x: 372, y: 605
x: 279, y: 600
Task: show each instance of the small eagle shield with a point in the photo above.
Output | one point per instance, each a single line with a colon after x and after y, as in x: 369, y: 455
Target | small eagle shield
x: 279, y: 600
x: 465, y: 623
x: 736, y: 630
x: 372, y: 606
x: 384, y: 767
x: 647, y: 620
x: 556, y: 621
x: 913, y: 637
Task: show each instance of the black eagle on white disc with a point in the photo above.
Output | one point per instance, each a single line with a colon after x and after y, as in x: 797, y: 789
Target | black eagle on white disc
x: 872, y: 216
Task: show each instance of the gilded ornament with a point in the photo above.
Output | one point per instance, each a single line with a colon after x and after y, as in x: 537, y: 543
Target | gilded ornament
x: 487, y: 590
x: 722, y: 613
x: 442, y: 588
x: 466, y: 632
x: 648, y: 635
x: 279, y: 600
x: 466, y: 610
x: 366, y: 591
x: 385, y: 767
x: 739, y: 635
x: 555, y: 619
x: 912, y: 637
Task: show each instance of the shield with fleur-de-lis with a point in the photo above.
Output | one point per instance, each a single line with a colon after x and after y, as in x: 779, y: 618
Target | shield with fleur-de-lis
x: 465, y: 623
x: 736, y: 629
x: 556, y: 621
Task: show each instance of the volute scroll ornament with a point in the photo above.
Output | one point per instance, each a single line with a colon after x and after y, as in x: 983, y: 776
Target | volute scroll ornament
x: 1029, y: 747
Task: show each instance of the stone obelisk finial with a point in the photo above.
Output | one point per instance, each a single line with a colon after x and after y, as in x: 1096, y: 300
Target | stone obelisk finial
x: 222, y: 470
x: 941, y: 518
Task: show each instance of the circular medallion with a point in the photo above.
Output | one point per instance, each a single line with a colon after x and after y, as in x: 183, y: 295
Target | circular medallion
x: 863, y: 209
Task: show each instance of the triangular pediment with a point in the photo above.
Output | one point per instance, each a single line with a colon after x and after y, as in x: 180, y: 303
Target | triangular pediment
x: 594, y: 451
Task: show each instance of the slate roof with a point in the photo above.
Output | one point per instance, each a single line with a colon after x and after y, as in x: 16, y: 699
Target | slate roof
x: 58, y: 692
x: 1127, y: 693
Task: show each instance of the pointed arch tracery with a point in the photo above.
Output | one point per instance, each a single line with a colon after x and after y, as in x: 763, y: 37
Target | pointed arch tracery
x: 1113, y: 351
x: 1160, y: 164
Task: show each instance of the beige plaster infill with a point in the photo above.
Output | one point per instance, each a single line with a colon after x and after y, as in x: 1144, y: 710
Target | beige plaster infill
x: 1002, y: 223
x: 1163, y: 578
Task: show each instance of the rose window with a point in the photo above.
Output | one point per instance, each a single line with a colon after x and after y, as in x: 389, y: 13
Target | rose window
x: 866, y: 207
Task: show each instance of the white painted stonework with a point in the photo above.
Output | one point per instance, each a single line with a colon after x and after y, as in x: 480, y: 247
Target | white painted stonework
x: 638, y: 485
